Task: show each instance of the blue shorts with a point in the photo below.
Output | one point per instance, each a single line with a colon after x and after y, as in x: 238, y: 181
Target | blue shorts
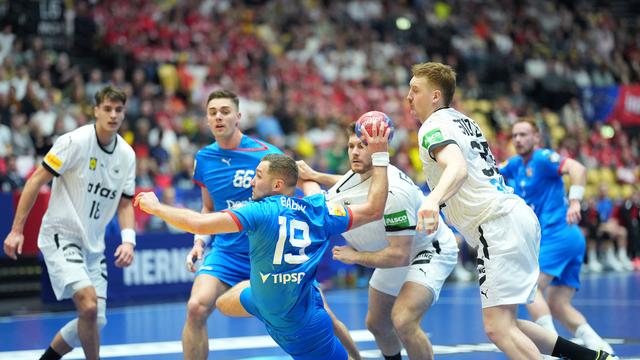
x: 228, y: 266
x: 562, y: 255
x: 312, y: 341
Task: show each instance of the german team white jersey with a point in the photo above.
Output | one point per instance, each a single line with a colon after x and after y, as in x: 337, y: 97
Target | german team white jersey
x: 87, y: 186
x: 483, y: 195
x: 400, y: 213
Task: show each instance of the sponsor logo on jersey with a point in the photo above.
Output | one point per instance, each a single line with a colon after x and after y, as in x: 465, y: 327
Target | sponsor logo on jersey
x: 397, y: 219
x: 104, y: 192
x: 232, y: 204
x: 93, y: 162
x: 282, y: 278
x: 53, y: 161
x: 432, y: 137
x: 336, y: 210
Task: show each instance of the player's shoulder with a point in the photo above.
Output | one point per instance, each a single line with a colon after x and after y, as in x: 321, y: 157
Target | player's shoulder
x: 124, y: 148
x: 82, y: 134
x: 250, y: 144
x: 544, y: 154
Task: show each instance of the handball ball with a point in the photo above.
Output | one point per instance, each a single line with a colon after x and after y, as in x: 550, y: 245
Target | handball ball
x: 371, y: 118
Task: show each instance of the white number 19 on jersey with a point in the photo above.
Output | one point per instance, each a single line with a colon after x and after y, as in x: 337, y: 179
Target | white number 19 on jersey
x: 294, y: 225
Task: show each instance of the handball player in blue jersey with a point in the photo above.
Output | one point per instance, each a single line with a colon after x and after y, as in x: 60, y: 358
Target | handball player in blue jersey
x: 224, y: 171
x: 287, y: 238
x: 536, y: 175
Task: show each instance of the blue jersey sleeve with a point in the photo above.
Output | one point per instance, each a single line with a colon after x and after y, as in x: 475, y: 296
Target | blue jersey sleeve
x: 549, y: 163
x: 338, y: 218
x: 249, y: 215
x: 197, y: 170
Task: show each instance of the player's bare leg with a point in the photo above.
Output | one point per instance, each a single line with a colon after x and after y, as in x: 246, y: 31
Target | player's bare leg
x: 502, y: 329
x: 341, y: 331
x: 539, y: 308
x: 379, y: 322
x: 410, y: 306
x: 229, y: 303
x: 86, y: 302
x: 204, y: 293
x: 59, y: 345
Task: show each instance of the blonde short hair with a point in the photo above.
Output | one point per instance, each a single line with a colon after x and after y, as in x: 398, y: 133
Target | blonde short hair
x: 441, y: 75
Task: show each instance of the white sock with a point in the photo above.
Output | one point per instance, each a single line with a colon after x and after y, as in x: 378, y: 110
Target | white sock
x: 622, y: 254
x: 546, y: 321
x: 593, y: 255
x: 590, y: 338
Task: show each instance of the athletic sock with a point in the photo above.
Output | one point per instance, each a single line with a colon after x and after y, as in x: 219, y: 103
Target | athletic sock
x: 393, y: 357
x: 565, y: 349
x: 590, y: 338
x: 546, y: 321
x: 50, y: 354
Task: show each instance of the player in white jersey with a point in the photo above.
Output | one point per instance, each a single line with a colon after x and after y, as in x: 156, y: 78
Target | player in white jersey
x: 410, y: 267
x: 464, y: 180
x: 93, y: 171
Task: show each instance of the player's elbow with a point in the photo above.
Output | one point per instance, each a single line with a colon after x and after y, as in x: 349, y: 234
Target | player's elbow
x: 401, y: 259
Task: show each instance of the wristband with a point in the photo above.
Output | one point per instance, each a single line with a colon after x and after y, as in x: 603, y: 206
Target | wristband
x: 576, y: 192
x: 128, y: 236
x: 380, y: 159
x: 205, y: 239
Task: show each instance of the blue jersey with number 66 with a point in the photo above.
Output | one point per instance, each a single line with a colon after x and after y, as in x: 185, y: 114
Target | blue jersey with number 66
x: 227, y: 174
x: 287, y: 238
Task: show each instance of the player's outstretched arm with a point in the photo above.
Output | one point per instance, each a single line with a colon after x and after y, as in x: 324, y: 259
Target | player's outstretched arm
x: 306, y: 172
x: 186, y: 219
x: 451, y: 160
x: 397, y: 254
x: 578, y: 179
x: 14, y: 240
x: 373, y: 209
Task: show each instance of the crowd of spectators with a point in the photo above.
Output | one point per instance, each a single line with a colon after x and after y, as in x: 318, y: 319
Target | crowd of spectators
x: 304, y: 69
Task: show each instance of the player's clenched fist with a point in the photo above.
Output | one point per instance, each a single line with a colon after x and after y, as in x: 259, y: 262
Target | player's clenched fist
x: 428, y: 216
x: 147, y: 202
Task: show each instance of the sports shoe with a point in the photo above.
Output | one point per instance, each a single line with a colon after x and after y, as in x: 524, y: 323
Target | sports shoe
x: 603, y: 355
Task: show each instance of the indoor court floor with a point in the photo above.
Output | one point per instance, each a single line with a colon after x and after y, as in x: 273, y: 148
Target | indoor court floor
x: 610, y: 301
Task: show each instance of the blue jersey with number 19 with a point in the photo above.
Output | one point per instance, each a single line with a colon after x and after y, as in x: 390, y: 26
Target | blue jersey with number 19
x: 287, y: 238
x: 227, y: 173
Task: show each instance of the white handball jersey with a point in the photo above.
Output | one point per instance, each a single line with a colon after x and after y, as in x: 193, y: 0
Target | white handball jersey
x: 403, y: 201
x: 482, y: 196
x: 88, y: 184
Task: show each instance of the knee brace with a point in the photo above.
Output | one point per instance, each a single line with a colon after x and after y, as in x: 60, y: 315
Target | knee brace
x: 69, y: 332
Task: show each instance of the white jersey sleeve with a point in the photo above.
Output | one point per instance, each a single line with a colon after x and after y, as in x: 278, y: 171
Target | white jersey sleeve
x: 483, y: 194
x: 63, y: 155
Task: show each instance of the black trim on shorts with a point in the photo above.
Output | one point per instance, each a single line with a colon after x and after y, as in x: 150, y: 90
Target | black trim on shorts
x: 75, y: 261
x: 397, y: 228
x: 436, y: 246
x: 49, y: 169
x: 71, y: 245
x: 57, y: 241
x: 419, y: 262
x: 127, y: 196
x: 483, y: 241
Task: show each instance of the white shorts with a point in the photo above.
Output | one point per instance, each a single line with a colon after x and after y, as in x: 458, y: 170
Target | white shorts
x: 69, y: 266
x: 508, y: 257
x: 429, y: 269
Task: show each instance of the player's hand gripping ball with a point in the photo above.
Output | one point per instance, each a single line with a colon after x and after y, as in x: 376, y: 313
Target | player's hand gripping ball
x: 371, y: 118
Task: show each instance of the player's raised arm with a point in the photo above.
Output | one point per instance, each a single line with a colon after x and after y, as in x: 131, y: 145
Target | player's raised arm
x: 186, y: 219
x: 306, y: 172
x: 377, y: 198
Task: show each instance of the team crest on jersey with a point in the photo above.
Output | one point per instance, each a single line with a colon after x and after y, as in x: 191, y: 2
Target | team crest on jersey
x: 337, y: 210
x: 554, y: 157
x: 529, y: 172
x: 432, y: 137
x: 93, y: 162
